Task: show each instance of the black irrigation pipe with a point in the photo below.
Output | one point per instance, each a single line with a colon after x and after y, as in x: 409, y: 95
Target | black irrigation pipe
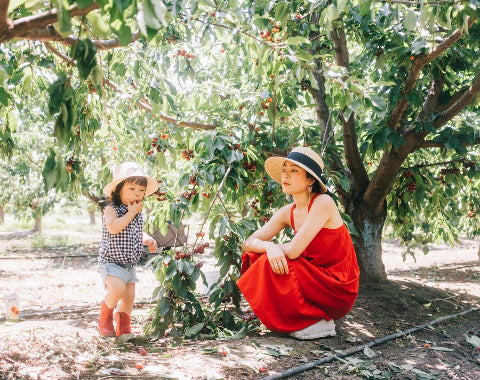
x: 354, y: 350
x: 45, y: 257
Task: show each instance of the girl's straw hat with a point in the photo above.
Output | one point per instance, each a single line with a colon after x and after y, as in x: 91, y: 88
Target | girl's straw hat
x: 126, y: 170
x: 301, y: 156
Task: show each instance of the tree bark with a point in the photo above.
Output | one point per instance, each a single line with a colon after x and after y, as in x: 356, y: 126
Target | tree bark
x: 38, y: 224
x: 2, y: 215
x: 368, y: 246
x: 91, y: 213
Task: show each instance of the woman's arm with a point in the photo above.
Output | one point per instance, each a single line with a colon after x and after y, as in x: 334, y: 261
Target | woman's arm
x: 115, y: 224
x: 324, y: 212
x: 260, y: 240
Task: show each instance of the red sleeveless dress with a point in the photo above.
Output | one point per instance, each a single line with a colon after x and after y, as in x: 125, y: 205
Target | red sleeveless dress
x: 322, y: 282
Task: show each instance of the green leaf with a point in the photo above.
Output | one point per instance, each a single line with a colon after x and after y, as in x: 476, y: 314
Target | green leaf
x: 64, y: 23
x: 123, y: 32
x: 194, y: 330
x: 98, y: 23
x: 16, y: 3
x: 85, y: 54
x: 4, y: 97
x: 82, y: 4
x: 378, y: 102
x: 410, y: 20
x: 163, y: 306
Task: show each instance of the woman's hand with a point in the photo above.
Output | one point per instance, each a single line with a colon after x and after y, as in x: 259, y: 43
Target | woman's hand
x: 277, y: 259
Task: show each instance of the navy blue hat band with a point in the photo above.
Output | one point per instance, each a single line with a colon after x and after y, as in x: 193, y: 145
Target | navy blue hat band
x: 307, y: 161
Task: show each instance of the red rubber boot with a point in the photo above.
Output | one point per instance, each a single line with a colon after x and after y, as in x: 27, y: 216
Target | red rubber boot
x: 105, y: 321
x: 123, y: 328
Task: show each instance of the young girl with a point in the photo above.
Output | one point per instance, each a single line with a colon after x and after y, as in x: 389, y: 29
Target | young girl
x: 122, y: 244
x: 301, y: 286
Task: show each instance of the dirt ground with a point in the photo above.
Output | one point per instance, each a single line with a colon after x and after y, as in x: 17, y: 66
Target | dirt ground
x: 60, y: 290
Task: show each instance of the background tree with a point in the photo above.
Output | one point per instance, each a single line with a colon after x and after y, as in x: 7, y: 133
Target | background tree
x: 204, y: 92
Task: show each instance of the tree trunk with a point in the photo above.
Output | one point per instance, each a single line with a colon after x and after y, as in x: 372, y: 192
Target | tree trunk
x: 368, y: 245
x: 479, y: 252
x: 2, y: 215
x: 92, y: 216
x: 38, y: 224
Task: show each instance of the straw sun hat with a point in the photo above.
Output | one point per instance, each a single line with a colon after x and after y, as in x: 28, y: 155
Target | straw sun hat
x: 126, y: 170
x: 301, y: 156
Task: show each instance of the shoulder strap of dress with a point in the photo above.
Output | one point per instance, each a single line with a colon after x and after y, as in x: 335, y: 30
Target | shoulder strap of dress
x: 292, y: 222
x: 311, y: 200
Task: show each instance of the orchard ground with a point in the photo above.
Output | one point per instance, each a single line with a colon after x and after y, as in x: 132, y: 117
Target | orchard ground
x: 55, y: 277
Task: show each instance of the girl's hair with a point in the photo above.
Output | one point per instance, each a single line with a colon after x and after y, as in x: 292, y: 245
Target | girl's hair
x: 316, y: 188
x: 138, y: 180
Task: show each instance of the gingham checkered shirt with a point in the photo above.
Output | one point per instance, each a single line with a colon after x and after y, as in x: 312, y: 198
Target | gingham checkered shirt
x: 126, y: 247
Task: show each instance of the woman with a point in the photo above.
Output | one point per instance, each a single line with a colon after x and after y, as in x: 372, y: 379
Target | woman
x: 302, y: 286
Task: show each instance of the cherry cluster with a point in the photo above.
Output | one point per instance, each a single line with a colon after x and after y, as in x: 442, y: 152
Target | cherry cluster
x: 236, y: 147
x: 161, y: 195
x: 407, y: 174
x: 187, y: 154
x: 268, y: 34
x: 254, y: 206
x: 249, y: 166
x: 412, y: 187
x: 449, y: 170
x: 188, y: 194
x: 252, y: 126
x: 183, y: 53
x: 181, y: 255
x: 200, y: 249
x: 70, y: 164
x: 156, y: 146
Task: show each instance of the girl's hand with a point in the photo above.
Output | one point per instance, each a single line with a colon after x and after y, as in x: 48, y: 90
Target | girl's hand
x: 277, y: 259
x: 151, y: 243
x: 135, y: 207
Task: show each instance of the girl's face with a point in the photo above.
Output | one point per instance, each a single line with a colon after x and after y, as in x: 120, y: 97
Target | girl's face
x: 132, y: 193
x: 294, y: 178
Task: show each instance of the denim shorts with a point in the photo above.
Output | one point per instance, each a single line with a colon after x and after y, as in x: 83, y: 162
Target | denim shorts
x: 128, y: 275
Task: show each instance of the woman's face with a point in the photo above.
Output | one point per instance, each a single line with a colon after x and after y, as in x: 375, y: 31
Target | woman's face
x: 132, y: 193
x: 294, y: 178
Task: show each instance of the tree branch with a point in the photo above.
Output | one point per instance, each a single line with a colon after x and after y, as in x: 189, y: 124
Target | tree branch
x: 454, y: 109
x: 431, y: 102
x: 143, y: 104
x: 49, y: 34
x: 437, y: 144
x: 350, y: 143
x: 23, y: 27
x: 419, y: 63
x: 4, y: 23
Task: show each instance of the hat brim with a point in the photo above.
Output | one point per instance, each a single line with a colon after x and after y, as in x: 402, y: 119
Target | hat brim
x: 152, y: 185
x: 274, y: 168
